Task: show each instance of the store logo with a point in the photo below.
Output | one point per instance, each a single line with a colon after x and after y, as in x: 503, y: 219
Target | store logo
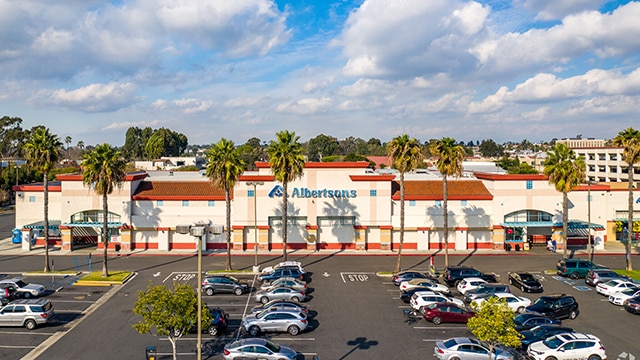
x: 276, y: 191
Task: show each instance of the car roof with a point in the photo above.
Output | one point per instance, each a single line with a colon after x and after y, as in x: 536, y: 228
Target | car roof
x: 421, y: 293
x: 473, y: 278
x: 31, y: 301
x: 577, y: 336
x: 253, y: 341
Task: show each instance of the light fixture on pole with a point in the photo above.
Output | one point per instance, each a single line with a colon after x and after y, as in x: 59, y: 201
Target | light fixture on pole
x: 589, y: 245
x: 198, y: 232
x: 255, y: 221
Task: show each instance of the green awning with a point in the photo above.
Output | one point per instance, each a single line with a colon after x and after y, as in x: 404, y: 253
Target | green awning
x: 94, y: 224
x: 528, y: 224
x: 579, y: 224
x: 39, y: 225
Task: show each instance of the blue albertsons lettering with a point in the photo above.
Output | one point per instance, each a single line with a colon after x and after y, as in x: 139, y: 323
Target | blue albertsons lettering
x: 324, y: 193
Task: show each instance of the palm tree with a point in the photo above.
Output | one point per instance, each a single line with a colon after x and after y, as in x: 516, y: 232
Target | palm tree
x: 566, y: 171
x: 629, y: 139
x: 42, y: 150
x: 287, y: 163
x: 67, y: 140
x: 405, y: 155
x: 103, y: 169
x: 224, y: 167
x: 450, y: 156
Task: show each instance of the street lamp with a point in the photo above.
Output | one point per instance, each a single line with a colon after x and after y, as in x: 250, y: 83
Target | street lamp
x: 255, y: 221
x: 589, y: 245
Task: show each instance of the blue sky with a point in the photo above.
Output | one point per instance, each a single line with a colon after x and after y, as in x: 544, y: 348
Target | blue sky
x: 471, y: 70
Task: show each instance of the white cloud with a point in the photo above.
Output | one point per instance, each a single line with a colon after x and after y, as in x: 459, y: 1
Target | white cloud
x: 124, y: 125
x: 96, y: 97
x: 190, y: 106
x: 307, y: 106
x: 557, y: 9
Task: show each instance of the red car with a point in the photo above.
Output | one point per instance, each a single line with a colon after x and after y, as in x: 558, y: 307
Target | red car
x: 438, y: 313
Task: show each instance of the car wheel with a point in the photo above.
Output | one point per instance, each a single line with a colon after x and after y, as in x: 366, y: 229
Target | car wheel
x: 238, y: 291
x: 293, y: 330
x: 254, y: 330
x: 213, y: 330
x: 264, y: 299
x: 437, y: 320
x: 573, y: 314
x: 30, y: 324
x: 574, y: 275
x: 296, y: 299
x: 27, y: 295
x: 594, y: 357
x: 551, y: 358
x: 454, y: 358
x: 209, y: 291
x: 520, y: 310
x: 456, y: 283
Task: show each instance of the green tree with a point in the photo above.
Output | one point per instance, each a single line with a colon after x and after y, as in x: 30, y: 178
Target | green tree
x: 171, y: 312
x: 224, y: 167
x: 405, y: 156
x: 450, y: 156
x: 566, y: 171
x: 104, y: 169
x: 164, y: 142
x: 493, y: 324
x: 251, y: 152
x: 286, y: 160
x: 629, y: 140
x: 67, y: 140
x: 12, y: 136
x: 322, y: 145
x: 489, y: 148
x: 42, y: 150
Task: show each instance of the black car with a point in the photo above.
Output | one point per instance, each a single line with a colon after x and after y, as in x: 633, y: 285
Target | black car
x: 219, y: 323
x: 527, y: 321
x: 541, y: 332
x: 525, y: 282
x: 633, y: 305
x: 557, y: 306
x: 224, y: 284
x: 280, y: 273
x: 453, y: 274
x: 408, y: 275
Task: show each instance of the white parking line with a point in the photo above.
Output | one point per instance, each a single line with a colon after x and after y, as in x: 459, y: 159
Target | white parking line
x: 17, y: 347
x: 293, y: 339
x: 432, y: 340
x: 26, y: 333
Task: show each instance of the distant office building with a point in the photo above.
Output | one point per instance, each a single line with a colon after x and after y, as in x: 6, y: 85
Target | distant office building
x: 580, y: 142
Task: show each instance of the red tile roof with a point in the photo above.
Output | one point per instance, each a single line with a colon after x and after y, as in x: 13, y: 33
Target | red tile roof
x: 432, y: 190
x: 178, y: 190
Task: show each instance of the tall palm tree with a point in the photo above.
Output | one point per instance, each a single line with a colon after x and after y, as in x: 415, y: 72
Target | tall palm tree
x: 450, y: 156
x: 224, y: 167
x: 405, y: 156
x: 104, y: 169
x: 629, y: 139
x: 287, y: 163
x: 566, y: 171
x: 42, y: 150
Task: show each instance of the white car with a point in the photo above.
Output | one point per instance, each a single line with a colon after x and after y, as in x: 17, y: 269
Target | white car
x: 469, y: 283
x: 295, y: 264
x: 431, y: 284
x: 567, y: 346
x: 516, y: 303
x: 423, y: 298
x: 614, y: 286
x: 23, y: 288
x: 620, y: 297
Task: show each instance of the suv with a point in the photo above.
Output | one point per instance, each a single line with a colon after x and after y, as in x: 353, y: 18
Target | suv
x: 7, y: 294
x: 575, y: 268
x: 277, y: 320
x: 281, y: 272
x: 568, y: 346
x: 453, y: 274
x: 596, y: 276
x: 23, y: 288
x: 424, y: 298
x: 27, y: 313
x: 223, y: 284
x: 485, y: 290
x: 557, y: 306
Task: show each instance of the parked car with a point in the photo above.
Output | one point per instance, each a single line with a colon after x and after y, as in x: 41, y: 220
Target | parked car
x: 620, y: 297
x: 485, y: 290
x: 7, y: 294
x: 279, y: 293
x: 527, y: 321
x: 438, y: 313
x: 575, y: 268
x: 633, y: 305
x: 568, y: 346
x: 453, y: 274
x: 596, y: 276
x: 219, y: 323
x: 467, y: 284
x: 433, y: 285
x: 29, y: 313
x: 406, y: 295
x: 292, y: 283
x: 257, y: 348
x: 614, y: 286
x: 290, y: 264
x: 407, y: 275
x: 515, y: 303
x: 424, y: 298
x: 557, y: 306
x: 292, y: 322
x: 23, y: 288
x: 281, y: 273
x: 524, y: 281
x: 217, y: 284
x: 463, y: 348
x: 280, y: 305
x: 540, y: 333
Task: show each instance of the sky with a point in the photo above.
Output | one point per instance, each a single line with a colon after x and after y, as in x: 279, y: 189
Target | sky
x: 237, y: 69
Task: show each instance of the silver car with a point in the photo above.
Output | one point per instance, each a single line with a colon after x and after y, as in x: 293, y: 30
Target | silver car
x: 257, y: 348
x: 463, y: 348
x: 288, y: 282
x: 23, y: 288
x: 292, y: 322
x: 279, y: 293
x: 280, y: 305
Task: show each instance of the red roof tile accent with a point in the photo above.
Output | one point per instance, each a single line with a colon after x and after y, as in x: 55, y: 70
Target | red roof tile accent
x: 54, y: 186
x: 372, y: 177
x: 509, y: 177
x: 432, y: 190
x: 263, y: 178
x: 138, y: 175
x: 178, y: 190
x: 324, y: 165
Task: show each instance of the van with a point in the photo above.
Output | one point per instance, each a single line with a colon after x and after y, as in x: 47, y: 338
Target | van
x: 576, y: 268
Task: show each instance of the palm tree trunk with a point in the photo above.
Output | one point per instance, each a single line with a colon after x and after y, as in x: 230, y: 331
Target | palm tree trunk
x: 565, y: 220
x: 630, y: 219
x: 105, y: 235
x: 401, y: 222
x: 227, y: 199
x: 446, y: 220
x: 284, y: 220
x: 46, y: 222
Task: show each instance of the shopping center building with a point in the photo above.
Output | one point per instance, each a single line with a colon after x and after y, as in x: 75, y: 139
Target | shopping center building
x: 334, y: 206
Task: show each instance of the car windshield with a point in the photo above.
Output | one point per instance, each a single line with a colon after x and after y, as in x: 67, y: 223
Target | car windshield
x: 232, y: 278
x: 552, y: 342
x: 527, y: 278
x: 520, y: 320
x: 543, y: 302
x: 21, y: 283
x: 630, y: 291
x: 272, y: 346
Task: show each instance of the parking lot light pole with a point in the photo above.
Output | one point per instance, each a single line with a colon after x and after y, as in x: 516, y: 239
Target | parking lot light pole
x: 589, y: 245
x: 255, y: 221
x: 198, y: 231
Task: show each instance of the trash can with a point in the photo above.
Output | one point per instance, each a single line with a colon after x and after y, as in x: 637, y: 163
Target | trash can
x: 507, y: 247
x: 150, y: 352
x: 517, y: 248
x: 16, y: 236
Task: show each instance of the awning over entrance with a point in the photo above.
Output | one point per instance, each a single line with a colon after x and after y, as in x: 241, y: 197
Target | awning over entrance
x: 115, y: 224
x: 39, y: 225
x: 528, y: 224
x: 579, y: 224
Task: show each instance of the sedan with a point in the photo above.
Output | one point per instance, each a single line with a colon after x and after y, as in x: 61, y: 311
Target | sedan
x: 279, y: 293
x: 408, y: 275
x: 280, y: 305
x: 633, y: 305
x: 470, y: 283
x: 463, y: 348
x: 257, y: 348
x: 527, y: 321
x: 405, y: 296
x: 428, y: 283
x: 425, y: 298
x: 525, y: 282
x: 295, y: 284
x: 620, y: 297
x: 438, y: 313
x: 540, y: 333
x: 614, y: 286
x: 515, y: 303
